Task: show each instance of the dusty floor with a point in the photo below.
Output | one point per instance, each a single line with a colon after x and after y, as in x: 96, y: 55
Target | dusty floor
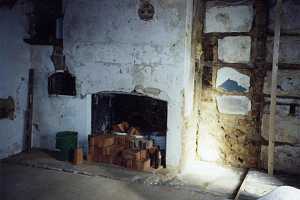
x: 200, y: 177
x: 28, y: 183
x: 257, y: 184
x: 214, y: 178
x: 38, y: 175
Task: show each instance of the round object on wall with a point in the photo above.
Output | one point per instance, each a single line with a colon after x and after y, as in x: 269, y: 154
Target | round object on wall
x: 146, y: 11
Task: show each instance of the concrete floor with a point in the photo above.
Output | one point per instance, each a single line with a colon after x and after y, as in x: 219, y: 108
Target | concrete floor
x: 257, y: 184
x: 214, y: 178
x: 28, y: 183
x: 38, y: 175
x: 199, y: 177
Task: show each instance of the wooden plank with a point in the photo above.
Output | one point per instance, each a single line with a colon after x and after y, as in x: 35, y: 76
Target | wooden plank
x: 29, y: 111
x: 242, y: 187
x: 274, y: 89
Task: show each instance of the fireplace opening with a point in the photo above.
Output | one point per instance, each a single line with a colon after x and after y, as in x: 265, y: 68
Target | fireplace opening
x: 130, y: 130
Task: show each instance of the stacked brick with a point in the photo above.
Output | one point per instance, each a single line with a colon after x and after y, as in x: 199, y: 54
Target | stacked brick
x: 125, y: 151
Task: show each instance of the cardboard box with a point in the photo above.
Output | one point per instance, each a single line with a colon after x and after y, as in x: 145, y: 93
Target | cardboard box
x: 78, y: 156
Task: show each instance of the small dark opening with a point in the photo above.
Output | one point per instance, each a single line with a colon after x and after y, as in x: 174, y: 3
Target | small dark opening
x: 44, y: 22
x: 293, y: 109
x: 146, y: 113
x: 62, y: 83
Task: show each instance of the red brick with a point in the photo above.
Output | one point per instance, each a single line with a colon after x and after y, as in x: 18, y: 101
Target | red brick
x: 104, y: 140
x: 78, y: 156
x: 90, y: 157
x: 142, y: 165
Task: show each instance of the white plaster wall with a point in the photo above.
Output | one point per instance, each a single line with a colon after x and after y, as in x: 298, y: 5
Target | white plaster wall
x: 53, y: 114
x: 234, y: 49
x: 14, y: 66
x: 109, y: 48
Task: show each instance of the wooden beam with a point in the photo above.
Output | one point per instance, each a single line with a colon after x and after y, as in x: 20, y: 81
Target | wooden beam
x: 242, y: 186
x: 274, y: 89
x: 29, y: 112
x: 198, y: 58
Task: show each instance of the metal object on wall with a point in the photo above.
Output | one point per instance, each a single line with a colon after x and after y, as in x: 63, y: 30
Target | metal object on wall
x: 58, y: 59
x: 61, y: 82
x: 7, y: 108
x: 146, y: 10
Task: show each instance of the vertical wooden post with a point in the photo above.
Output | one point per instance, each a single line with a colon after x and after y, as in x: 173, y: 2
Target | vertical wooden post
x: 29, y: 112
x: 198, y: 60
x: 258, y: 54
x: 274, y: 89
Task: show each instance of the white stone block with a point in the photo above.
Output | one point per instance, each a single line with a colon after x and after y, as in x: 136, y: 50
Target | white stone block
x: 228, y: 18
x: 234, y: 105
x: 236, y: 49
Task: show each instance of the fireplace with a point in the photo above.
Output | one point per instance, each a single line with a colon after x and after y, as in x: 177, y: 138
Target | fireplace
x: 131, y: 111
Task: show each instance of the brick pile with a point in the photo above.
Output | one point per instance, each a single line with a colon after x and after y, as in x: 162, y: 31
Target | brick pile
x: 126, y: 151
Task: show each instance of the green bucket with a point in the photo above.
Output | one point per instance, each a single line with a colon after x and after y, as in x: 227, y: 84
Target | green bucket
x: 66, y: 142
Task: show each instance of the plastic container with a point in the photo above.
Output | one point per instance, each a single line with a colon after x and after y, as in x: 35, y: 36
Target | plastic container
x: 66, y: 142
